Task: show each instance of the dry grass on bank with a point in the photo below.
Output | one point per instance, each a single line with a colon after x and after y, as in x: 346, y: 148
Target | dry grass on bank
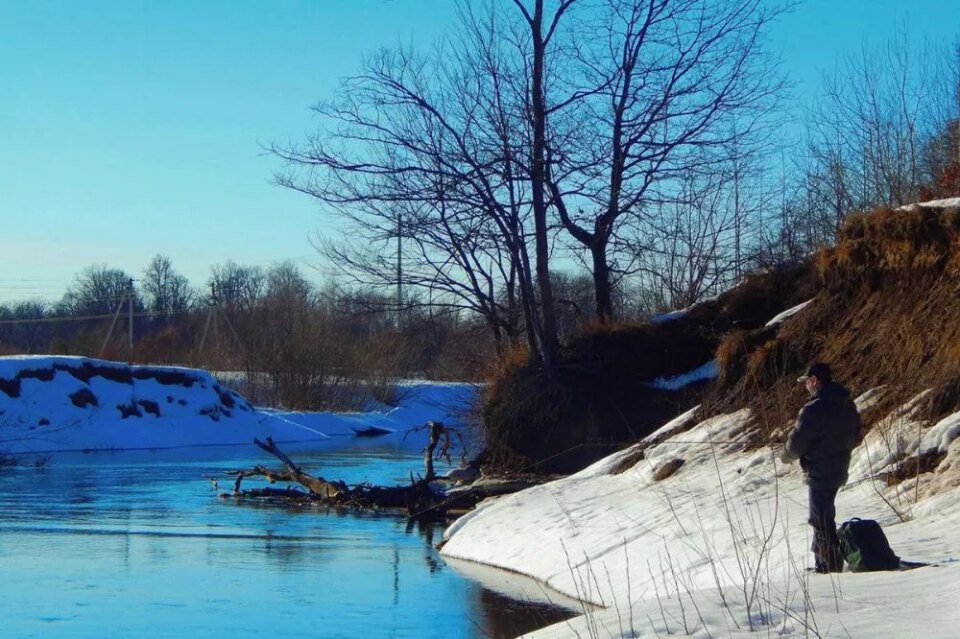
x: 885, y: 312
x: 887, y: 315
x: 602, y: 396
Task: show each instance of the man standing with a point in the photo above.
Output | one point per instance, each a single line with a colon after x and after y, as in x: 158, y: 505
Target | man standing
x: 827, y: 430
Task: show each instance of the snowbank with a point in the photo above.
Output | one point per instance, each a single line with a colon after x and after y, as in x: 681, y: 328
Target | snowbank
x: 50, y: 404
x: 670, y: 316
x: 699, y: 374
x: 947, y: 203
x: 719, y: 548
x: 787, y: 314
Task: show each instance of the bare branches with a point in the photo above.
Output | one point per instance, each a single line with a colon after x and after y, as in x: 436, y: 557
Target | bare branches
x: 532, y: 125
x: 670, y: 79
x: 871, y: 133
x: 423, y: 151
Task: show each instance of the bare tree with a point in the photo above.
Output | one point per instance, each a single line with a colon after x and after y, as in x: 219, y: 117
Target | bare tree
x: 235, y: 286
x: 694, y: 253
x: 574, y: 298
x: 872, y: 128
x: 285, y: 281
x: 668, y: 85
x: 421, y: 151
x: 941, y: 154
x: 98, y: 290
x: 452, y: 168
x: 165, y: 290
x: 542, y: 28
x: 19, y: 330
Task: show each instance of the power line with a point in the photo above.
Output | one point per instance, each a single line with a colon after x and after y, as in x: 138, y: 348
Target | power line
x: 64, y: 294
x: 67, y: 318
x: 86, y: 300
x: 30, y: 287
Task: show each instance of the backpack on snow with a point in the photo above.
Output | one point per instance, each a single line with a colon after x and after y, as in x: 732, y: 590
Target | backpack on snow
x: 865, y: 547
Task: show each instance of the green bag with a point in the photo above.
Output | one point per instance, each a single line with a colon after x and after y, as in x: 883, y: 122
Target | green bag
x: 864, y: 546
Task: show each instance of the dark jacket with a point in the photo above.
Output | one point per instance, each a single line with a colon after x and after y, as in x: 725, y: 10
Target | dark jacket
x: 827, y: 430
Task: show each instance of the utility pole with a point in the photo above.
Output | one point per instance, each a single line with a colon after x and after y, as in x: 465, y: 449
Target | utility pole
x: 399, y: 265
x: 130, y: 317
x: 116, y: 316
x: 210, y: 313
x: 737, y: 221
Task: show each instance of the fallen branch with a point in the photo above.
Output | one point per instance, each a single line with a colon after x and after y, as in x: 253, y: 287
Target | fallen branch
x: 419, y: 499
x: 316, y: 485
x: 422, y: 499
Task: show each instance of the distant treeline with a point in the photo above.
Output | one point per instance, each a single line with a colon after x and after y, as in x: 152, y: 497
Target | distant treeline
x: 299, y: 344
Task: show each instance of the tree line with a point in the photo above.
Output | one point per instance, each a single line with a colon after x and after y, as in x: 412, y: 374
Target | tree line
x: 283, y: 338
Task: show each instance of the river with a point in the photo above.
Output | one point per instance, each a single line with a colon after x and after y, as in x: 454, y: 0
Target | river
x: 138, y: 544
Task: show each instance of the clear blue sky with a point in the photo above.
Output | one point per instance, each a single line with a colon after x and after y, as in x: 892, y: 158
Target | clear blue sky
x: 130, y: 128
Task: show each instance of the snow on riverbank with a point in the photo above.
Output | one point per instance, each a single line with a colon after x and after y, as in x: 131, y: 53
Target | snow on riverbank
x: 719, y: 549
x: 52, y: 403
x: 699, y: 374
x: 419, y: 403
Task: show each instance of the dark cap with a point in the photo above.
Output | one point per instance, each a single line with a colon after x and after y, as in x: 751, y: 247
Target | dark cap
x: 819, y: 370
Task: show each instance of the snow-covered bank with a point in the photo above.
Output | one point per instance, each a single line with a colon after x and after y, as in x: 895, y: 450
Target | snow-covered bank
x: 699, y: 374
x: 50, y: 403
x: 719, y: 548
x: 419, y: 403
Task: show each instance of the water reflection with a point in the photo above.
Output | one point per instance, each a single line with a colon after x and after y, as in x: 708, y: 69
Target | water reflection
x: 144, y: 542
x: 501, y: 616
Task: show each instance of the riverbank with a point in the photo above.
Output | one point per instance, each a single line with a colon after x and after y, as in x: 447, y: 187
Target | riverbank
x: 58, y: 404
x: 718, y: 548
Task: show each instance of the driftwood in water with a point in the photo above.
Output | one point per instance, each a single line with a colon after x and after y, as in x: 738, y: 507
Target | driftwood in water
x: 419, y: 499
x: 437, y: 433
x: 316, y: 485
x: 433, y: 436
x: 422, y: 499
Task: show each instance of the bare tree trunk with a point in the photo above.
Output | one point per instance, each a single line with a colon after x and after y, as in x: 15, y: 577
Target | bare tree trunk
x: 548, y: 336
x: 602, y: 288
x: 433, y: 438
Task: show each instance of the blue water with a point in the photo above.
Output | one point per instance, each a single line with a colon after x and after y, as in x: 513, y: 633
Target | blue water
x: 140, y: 545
